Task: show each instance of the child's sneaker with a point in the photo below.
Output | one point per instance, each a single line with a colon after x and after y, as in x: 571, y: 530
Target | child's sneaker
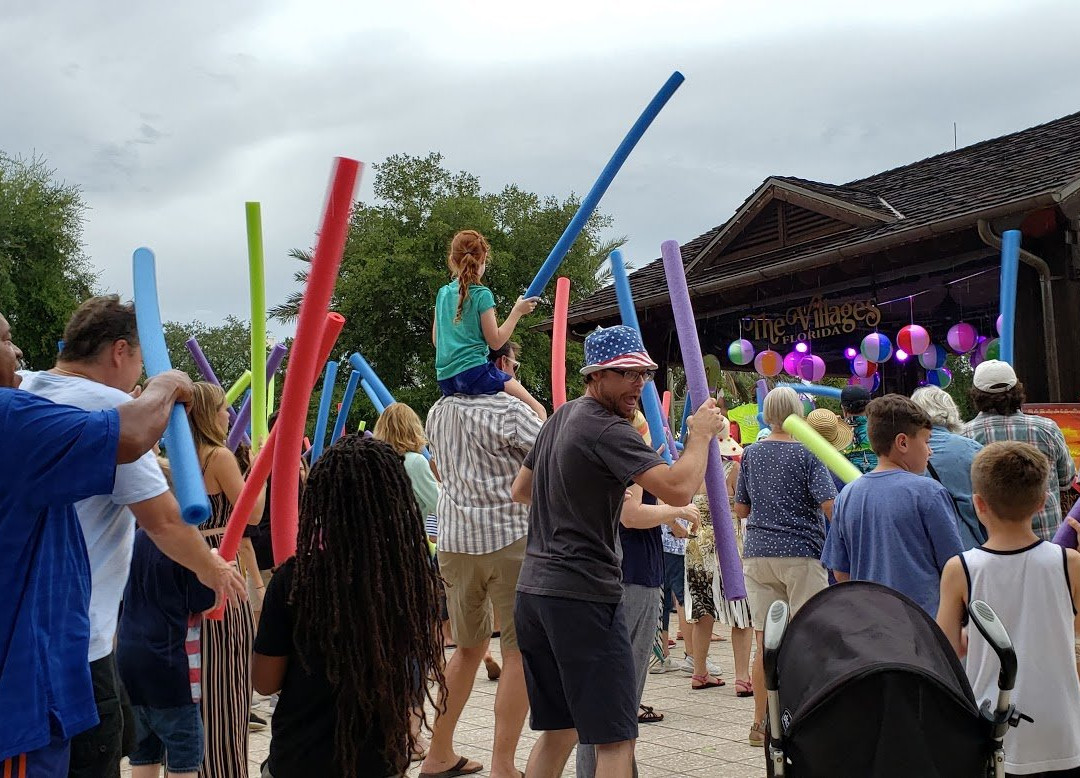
x: 687, y: 666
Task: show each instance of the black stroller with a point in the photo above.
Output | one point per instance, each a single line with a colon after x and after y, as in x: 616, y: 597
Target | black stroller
x: 864, y: 684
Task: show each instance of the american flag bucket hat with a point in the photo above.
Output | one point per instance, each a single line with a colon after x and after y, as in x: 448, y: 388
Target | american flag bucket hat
x: 615, y: 347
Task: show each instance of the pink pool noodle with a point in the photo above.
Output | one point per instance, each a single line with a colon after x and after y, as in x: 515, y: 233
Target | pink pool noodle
x: 296, y: 393
x: 558, y: 342
x: 715, y: 485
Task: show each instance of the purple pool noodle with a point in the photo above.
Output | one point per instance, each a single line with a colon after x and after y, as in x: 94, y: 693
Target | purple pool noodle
x: 273, y: 362
x: 715, y: 485
x: 208, y: 373
x: 1066, y: 535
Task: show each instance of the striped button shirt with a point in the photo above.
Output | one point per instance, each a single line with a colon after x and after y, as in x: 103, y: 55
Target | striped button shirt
x: 1045, y: 436
x: 479, y: 443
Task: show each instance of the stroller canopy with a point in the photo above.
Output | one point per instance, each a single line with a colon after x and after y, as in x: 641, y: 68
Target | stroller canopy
x: 857, y: 629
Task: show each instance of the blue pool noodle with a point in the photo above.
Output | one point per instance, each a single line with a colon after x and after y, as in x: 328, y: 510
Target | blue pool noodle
x: 346, y: 404
x: 321, y: 420
x: 650, y: 399
x: 375, y: 389
x: 186, y: 475
x: 592, y: 199
x: 369, y: 390
x: 1010, y: 268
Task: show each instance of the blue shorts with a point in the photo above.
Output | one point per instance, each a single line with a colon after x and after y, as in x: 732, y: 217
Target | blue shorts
x: 46, y: 762
x: 579, y: 667
x: 170, y: 735
x: 482, y: 379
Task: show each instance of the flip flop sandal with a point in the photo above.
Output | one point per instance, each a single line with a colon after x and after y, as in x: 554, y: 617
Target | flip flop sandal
x: 744, y: 688
x: 649, y: 716
x: 456, y: 770
x: 705, y: 683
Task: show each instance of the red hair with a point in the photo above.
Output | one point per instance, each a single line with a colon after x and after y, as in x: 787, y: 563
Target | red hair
x: 468, y: 251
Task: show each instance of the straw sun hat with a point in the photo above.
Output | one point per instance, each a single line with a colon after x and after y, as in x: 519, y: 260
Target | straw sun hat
x: 831, y: 427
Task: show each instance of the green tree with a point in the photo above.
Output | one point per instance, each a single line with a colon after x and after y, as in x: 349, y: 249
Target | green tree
x: 395, y: 262
x: 227, y: 347
x: 44, y: 274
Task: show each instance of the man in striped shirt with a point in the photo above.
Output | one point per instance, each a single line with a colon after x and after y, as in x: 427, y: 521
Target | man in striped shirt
x: 998, y: 395
x: 479, y: 443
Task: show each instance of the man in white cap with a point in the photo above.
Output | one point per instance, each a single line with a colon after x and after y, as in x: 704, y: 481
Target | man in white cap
x: 997, y: 396
x: 571, y: 621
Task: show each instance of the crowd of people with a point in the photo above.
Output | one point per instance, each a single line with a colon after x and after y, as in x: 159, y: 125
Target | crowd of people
x: 569, y: 538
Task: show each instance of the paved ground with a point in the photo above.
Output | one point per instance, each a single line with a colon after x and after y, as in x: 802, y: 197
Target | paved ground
x: 703, y: 732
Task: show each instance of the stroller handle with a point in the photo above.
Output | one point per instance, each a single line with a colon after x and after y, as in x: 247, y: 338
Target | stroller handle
x: 991, y: 628
x: 776, y: 622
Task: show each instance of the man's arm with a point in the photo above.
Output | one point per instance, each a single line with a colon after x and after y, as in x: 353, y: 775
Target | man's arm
x: 182, y: 543
x: 521, y: 491
x: 952, y: 604
x: 677, y: 484
x: 143, y: 420
x: 636, y: 515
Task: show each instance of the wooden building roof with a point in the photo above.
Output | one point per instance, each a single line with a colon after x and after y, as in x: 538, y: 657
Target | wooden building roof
x: 790, y: 224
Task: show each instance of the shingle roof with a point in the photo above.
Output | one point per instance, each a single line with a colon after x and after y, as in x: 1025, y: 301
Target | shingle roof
x: 956, y: 185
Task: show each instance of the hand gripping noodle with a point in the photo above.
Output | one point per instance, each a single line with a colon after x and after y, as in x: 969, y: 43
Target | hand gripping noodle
x: 187, y: 477
x: 697, y: 386
x: 607, y: 175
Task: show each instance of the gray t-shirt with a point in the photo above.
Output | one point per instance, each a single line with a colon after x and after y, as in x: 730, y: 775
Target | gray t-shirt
x: 584, y: 458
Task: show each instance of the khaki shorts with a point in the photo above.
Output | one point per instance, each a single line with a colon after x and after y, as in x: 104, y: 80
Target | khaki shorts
x: 476, y: 585
x: 793, y: 579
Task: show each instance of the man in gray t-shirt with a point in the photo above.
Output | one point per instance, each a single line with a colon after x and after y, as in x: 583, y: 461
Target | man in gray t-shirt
x: 570, y: 622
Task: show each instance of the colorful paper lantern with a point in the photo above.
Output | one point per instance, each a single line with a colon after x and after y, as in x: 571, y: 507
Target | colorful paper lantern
x: 997, y: 324
x: 741, y: 352
x: 940, y: 377
x: 768, y: 363
x: 876, y: 347
x: 791, y: 363
x: 991, y: 349
x: 869, y: 383
x: 812, y: 368
x: 962, y: 337
x: 933, y: 358
x: 863, y: 367
x: 913, y: 339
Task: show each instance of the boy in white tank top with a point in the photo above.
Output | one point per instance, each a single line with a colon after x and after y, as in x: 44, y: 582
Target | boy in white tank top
x: 1033, y: 587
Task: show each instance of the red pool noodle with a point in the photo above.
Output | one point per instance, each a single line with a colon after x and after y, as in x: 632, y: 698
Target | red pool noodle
x: 261, y: 465
x: 665, y: 405
x: 296, y: 392
x: 558, y: 342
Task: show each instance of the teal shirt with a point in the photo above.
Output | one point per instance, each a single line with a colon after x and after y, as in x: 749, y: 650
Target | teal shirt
x: 460, y: 346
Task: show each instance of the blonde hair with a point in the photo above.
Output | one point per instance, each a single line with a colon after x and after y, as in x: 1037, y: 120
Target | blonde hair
x: 939, y: 406
x: 400, y: 427
x: 202, y: 415
x: 468, y: 251
x: 780, y: 403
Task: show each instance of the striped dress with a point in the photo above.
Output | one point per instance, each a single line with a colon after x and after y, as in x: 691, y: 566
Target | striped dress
x: 226, y: 675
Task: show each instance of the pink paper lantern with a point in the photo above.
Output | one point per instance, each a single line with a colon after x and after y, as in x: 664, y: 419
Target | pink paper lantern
x: 913, y: 339
x: 791, y: 363
x: 962, y: 337
x: 812, y: 368
x: 863, y: 367
x: 768, y: 363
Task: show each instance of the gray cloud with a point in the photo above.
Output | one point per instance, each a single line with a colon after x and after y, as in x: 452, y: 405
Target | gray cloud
x: 171, y: 117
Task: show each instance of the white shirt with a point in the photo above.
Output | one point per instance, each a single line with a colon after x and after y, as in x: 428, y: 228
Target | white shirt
x: 107, y: 524
x: 1029, y: 591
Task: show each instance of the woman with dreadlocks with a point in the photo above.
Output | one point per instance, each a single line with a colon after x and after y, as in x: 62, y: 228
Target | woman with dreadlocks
x: 345, y: 635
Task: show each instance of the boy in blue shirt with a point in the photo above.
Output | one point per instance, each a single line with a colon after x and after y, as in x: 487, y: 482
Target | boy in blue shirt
x: 892, y: 525
x: 159, y: 660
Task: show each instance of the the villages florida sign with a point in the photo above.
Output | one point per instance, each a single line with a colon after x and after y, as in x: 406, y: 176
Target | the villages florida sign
x: 815, y: 320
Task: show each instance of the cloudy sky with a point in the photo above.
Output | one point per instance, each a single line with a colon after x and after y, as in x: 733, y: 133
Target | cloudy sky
x: 170, y: 115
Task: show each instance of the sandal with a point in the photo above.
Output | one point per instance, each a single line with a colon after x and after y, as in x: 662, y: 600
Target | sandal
x: 744, y: 688
x: 458, y: 769
x: 698, y: 682
x: 649, y: 716
x: 757, y: 734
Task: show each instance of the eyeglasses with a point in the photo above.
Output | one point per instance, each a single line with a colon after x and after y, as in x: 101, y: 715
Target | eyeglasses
x: 634, y: 375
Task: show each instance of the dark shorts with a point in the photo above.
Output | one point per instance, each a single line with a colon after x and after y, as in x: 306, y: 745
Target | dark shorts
x: 51, y: 761
x: 173, y: 736
x: 96, y: 752
x: 578, y: 667
x: 674, y: 578
x: 482, y: 379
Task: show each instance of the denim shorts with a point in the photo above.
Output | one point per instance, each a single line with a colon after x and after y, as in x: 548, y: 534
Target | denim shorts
x: 170, y: 735
x: 482, y: 379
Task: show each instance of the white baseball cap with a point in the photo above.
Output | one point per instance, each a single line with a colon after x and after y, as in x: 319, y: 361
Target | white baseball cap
x: 994, y: 377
